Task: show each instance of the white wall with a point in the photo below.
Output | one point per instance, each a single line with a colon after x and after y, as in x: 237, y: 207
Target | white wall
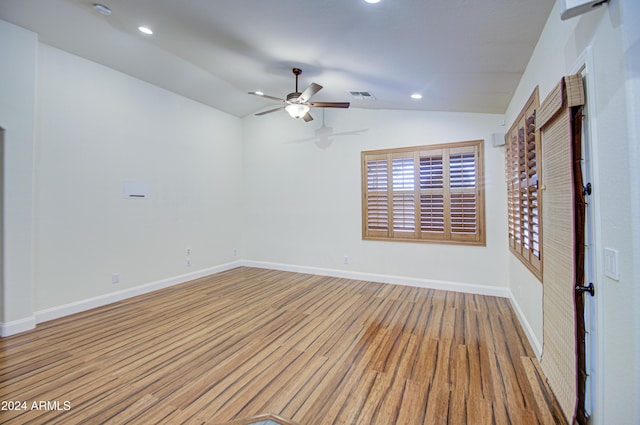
x: 631, y: 46
x: 303, y: 196
x: 18, y: 54
x: 599, y: 35
x: 96, y: 129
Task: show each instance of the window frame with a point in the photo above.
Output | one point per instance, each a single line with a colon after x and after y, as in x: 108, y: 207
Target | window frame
x: 424, y: 222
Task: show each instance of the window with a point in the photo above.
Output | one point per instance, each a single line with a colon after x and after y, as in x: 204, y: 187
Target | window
x: 522, y: 173
x: 424, y: 194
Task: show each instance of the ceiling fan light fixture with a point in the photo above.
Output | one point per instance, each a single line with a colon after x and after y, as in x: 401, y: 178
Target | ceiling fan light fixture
x: 297, y: 110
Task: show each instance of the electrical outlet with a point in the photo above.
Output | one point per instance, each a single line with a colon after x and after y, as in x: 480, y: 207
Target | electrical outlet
x: 346, y: 259
x: 188, y: 250
x: 188, y: 262
x: 115, y: 278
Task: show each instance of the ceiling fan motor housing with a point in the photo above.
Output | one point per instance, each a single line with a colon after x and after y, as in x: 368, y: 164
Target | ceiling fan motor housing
x: 293, y: 97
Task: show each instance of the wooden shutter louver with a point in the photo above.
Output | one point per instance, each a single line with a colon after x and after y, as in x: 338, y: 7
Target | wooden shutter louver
x: 432, y: 213
x: 378, y: 217
x: 432, y: 193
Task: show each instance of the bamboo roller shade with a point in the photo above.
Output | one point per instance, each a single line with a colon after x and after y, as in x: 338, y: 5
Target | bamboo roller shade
x: 559, y: 341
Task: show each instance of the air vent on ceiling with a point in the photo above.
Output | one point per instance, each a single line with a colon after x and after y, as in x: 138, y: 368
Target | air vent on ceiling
x: 362, y: 95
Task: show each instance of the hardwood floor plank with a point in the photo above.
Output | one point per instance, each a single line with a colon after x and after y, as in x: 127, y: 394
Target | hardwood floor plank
x: 314, y: 349
x: 283, y: 390
x: 263, y: 386
x: 479, y: 411
x: 412, y: 407
x: 438, y: 404
x: 371, y: 409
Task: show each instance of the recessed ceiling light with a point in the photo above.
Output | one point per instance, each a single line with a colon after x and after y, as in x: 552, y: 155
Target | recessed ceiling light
x: 372, y: 1
x: 416, y: 96
x: 102, y: 9
x: 145, y: 30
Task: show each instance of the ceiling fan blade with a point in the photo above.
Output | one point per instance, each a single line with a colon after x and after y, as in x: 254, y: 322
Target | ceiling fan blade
x: 307, y: 117
x: 269, y: 111
x: 266, y: 96
x: 330, y: 104
x: 309, y: 91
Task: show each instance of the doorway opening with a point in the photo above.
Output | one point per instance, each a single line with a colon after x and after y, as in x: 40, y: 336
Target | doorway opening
x: 588, y: 365
x: 1, y: 225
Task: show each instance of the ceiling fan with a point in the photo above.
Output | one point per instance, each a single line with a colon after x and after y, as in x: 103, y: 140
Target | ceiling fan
x: 297, y: 104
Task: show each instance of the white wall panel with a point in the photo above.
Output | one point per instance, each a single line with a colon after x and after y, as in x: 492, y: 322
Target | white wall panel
x: 303, y: 194
x: 98, y: 128
x: 18, y: 49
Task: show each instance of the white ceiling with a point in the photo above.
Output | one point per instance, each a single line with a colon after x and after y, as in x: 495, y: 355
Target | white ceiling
x: 461, y: 55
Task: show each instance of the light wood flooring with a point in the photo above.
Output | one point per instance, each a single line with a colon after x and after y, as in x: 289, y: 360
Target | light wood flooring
x: 315, y: 350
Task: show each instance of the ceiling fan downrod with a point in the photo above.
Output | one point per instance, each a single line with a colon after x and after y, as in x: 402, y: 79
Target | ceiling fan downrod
x: 296, y: 72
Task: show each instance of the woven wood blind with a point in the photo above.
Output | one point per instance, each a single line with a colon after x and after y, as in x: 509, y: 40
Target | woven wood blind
x: 559, y: 346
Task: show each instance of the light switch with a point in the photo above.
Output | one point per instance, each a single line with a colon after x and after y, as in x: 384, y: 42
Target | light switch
x: 611, y: 267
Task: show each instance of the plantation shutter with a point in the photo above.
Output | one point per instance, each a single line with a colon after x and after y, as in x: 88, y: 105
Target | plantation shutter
x: 428, y: 193
x: 522, y: 174
x: 432, y: 201
x: 403, y: 171
x: 376, y: 196
x: 511, y: 173
x: 463, y: 193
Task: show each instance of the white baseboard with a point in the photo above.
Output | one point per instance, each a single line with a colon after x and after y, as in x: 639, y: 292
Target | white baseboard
x: 12, y: 328
x: 526, y: 326
x: 83, y: 305
x: 17, y: 326
x: 469, y: 288
x: 410, y: 281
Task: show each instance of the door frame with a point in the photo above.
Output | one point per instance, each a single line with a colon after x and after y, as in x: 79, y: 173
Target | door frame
x: 593, y: 305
